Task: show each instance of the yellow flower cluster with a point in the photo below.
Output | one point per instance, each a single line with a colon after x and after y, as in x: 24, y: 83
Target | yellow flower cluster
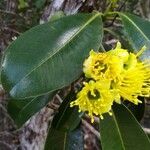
x: 113, y: 74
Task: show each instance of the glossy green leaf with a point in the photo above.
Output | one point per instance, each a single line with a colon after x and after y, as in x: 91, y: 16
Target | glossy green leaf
x: 137, y: 32
x: 67, y: 118
x: 22, y: 110
x: 121, y: 131
x: 59, y: 140
x: 50, y: 56
x: 62, y: 130
x: 137, y: 110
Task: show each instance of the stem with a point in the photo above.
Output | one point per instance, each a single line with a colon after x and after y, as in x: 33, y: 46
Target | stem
x: 102, y: 48
x: 116, y: 13
x: 111, y: 32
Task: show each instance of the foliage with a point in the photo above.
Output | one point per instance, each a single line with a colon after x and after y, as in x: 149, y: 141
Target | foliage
x: 48, y: 57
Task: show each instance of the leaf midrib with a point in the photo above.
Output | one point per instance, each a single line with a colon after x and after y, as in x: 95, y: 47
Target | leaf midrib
x: 60, y: 118
x: 65, y: 140
x: 20, y: 112
x: 58, y: 50
x: 115, y: 120
x: 135, y: 26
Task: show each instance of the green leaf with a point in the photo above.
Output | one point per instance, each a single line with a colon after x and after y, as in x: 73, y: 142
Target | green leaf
x: 67, y: 118
x: 137, y: 110
x: 62, y: 130
x: 22, y: 110
x: 122, y: 132
x: 59, y: 140
x: 50, y: 56
x: 137, y: 32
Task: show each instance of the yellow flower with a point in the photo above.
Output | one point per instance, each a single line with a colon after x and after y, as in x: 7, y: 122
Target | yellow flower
x: 96, y: 98
x: 119, y: 52
x: 94, y: 66
x: 102, y: 65
x: 135, y: 80
x: 117, y: 73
